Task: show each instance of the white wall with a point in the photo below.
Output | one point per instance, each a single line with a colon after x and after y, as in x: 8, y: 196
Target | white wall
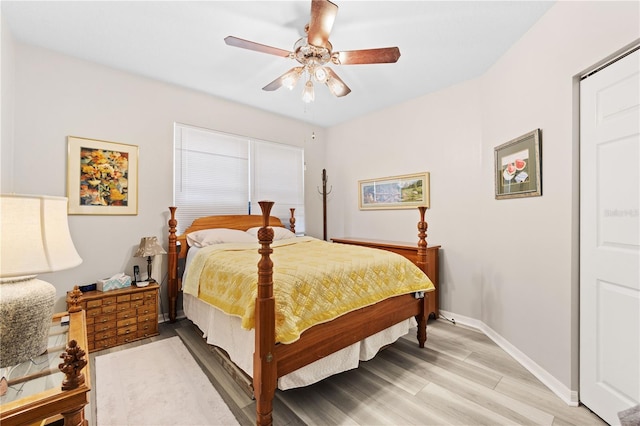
x: 512, y: 265
x: 58, y: 96
x: 6, y: 106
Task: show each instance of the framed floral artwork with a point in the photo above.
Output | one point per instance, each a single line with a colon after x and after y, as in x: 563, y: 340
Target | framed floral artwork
x: 395, y: 192
x: 102, y: 177
x: 517, y: 167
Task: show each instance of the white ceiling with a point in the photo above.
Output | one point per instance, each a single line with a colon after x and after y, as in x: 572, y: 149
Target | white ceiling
x: 181, y: 42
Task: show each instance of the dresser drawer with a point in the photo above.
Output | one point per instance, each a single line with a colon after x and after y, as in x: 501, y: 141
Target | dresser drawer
x: 130, y: 329
x: 109, y: 301
x: 124, y: 298
x: 123, y: 306
x: 127, y: 322
x: 105, y: 344
x: 94, y: 312
x: 146, y: 310
x: 104, y: 318
x: 127, y: 313
x: 147, y: 329
x: 109, y: 308
x: 103, y: 326
x: 106, y: 334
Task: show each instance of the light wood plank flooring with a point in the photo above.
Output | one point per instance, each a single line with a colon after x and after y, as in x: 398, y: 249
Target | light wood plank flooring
x: 460, y: 378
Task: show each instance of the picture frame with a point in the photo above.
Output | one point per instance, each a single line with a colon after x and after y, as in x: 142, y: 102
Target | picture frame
x: 102, y: 177
x: 518, y: 167
x: 394, y: 192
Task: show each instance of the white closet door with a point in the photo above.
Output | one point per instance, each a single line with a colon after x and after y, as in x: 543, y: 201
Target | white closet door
x: 610, y: 239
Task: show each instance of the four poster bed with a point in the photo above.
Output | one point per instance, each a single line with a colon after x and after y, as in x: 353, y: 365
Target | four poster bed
x: 283, y: 335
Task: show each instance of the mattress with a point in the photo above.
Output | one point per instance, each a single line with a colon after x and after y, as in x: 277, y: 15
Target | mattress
x: 224, y: 331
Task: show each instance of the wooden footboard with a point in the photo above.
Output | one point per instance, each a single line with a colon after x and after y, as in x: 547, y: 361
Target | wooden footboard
x: 273, y: 360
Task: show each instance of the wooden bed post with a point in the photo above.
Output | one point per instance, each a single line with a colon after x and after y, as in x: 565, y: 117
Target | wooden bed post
x: 421, y: 261
x: 292, y: 220
x: 172, y: 282
x: 264, y: 364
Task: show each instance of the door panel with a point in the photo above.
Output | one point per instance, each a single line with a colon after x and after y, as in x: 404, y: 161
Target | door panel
x: 610, y: 238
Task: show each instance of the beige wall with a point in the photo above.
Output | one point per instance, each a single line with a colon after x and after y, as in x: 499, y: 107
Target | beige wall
x: 57, y: 96
x: 6, y: 106
x: 508, y: 266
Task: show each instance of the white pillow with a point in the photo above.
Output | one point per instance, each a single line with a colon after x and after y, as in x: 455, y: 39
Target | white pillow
x: 208, y: 237
x: 279, y: 233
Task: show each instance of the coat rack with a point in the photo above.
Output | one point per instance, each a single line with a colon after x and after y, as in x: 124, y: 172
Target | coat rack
x: 324, y: 201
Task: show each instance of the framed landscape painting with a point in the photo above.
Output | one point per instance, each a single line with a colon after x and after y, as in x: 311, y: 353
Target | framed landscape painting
x: 517, y: 167
x: 395, y: 192
x: 102, y: 177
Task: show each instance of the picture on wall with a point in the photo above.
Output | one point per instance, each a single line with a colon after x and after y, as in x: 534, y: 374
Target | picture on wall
x: 518, y: 167
x: 102, y: 177
x: 395, y: 192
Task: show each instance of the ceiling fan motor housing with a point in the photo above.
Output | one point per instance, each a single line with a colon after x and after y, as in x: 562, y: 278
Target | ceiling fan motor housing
x: 308, y: 54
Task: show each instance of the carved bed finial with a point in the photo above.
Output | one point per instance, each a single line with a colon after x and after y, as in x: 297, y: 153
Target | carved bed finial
x: 292, y: 220
x: 172, y: 265
x: 72, y: 365
x: 265, y: 375
x: 72, y: 300
x: 422, y: 240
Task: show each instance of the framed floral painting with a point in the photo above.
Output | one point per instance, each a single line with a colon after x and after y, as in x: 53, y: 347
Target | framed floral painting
x: 102, y: 177
x: 517, y: 167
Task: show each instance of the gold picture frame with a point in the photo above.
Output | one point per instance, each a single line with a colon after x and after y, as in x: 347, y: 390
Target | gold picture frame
x: 394, y: 192
x: 102, y: 177
x: 517, y: 167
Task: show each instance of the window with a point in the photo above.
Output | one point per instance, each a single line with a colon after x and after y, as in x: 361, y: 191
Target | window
x: 217, y: 173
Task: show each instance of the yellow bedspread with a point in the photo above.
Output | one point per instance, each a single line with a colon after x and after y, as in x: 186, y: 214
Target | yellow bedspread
x: 314, y: 281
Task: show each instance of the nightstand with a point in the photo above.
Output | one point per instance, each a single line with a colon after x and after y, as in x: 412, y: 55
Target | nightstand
x: 117, y: 317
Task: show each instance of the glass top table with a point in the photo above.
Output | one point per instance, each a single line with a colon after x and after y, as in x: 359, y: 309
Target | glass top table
x: 33, y: 389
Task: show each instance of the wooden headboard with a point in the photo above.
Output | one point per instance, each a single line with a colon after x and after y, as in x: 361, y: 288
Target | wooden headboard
x: 241, y: 222
x: 178, y: 246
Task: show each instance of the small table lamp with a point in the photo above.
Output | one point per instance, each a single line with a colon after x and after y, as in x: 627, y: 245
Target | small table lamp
x: 34, y: 239
x: 149, y: 246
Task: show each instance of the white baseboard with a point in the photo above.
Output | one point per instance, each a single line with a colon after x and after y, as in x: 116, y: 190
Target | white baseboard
x: 570, y: 397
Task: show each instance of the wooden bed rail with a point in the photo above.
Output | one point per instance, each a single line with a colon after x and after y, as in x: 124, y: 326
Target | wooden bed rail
x: 272, y: 360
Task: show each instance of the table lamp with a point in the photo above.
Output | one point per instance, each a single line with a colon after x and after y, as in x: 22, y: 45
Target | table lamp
x: 149, y: 246
x: 34, y: 239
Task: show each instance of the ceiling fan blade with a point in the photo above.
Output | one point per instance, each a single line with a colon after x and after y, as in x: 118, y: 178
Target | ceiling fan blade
x: 274, y: 85
x: 335, y: 84
x: 288, y: 79
x: 383, y: 55
x: 251, y: 45
x: 323, y: 14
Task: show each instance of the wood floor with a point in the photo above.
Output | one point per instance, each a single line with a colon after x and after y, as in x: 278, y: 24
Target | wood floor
x: 460, y: 378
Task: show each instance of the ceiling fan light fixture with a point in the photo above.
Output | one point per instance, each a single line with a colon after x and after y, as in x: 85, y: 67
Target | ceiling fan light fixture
x: 335, y: 86
x: 307, y: 94
x: 320, y: 74
x: 290, y: 79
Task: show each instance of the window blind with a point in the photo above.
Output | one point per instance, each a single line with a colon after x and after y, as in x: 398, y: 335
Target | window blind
x: 278, y: 175
x: 217, y: 173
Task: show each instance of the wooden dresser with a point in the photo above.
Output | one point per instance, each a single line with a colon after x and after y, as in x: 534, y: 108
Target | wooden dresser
x: 121, y: 316
x: 409, y: 251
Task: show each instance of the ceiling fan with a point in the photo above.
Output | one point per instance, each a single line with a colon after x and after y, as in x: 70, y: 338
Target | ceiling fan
x: 314, y: 51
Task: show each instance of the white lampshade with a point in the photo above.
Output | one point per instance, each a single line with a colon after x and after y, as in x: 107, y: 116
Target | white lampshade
x: 34, y: 235
x: 34, y: 239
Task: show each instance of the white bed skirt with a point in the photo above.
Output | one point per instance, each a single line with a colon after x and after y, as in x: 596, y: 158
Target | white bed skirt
x: 225, y: 332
